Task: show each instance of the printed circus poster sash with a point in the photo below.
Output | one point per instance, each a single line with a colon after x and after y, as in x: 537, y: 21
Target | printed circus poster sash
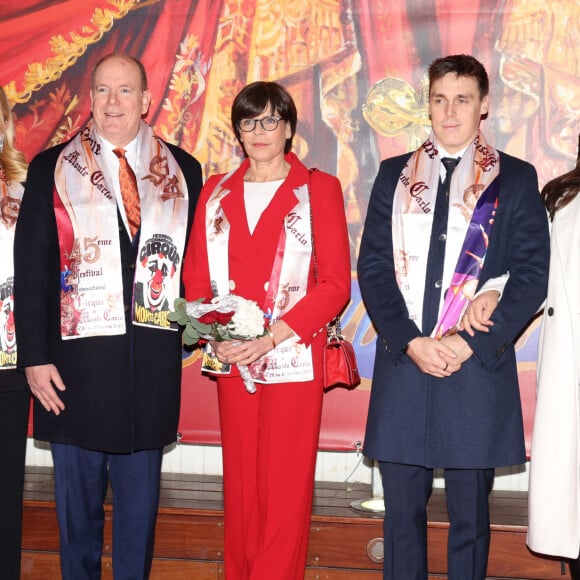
x: 413, y: 208
x: 164, y: 211
x: 9, y: 206
x: 86, y: 215
x: 290, y: 361
x: 471, y: 259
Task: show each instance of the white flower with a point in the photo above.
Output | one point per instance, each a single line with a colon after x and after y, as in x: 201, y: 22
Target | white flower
x: 248, y: 320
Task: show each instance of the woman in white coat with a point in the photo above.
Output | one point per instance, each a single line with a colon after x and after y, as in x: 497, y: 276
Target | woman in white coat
x: 554, y: 488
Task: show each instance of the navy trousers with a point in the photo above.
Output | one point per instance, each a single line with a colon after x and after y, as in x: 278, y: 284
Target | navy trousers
x: 407, y: 489
x: 81, y: 480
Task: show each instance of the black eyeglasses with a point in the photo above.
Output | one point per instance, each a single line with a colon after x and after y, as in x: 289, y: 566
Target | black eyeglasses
x: 267, y: 123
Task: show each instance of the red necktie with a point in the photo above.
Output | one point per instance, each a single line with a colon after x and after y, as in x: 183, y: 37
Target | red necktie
x: 129, y: 192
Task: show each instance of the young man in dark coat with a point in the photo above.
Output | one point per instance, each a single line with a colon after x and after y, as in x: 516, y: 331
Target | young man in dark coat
x: 441, y: 221
x: 101, y: 214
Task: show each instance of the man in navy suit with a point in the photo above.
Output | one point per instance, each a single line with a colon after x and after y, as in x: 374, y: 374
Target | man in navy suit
x: 441, y: 221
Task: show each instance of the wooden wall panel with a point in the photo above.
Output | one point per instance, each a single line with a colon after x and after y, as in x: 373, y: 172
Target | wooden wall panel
x: 189, y: 535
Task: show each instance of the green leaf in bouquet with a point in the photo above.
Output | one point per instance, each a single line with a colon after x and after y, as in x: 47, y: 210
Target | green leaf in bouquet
x: 188, y: 341
x: 190, y: 335
x: 222, y: 333
x: 179, y: 315
x: 201, y: 328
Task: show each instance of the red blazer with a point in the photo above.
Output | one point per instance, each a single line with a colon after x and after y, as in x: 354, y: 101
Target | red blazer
x: 251, y: 256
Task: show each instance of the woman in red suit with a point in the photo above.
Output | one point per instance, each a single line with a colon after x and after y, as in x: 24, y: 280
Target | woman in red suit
x: 252, y: 236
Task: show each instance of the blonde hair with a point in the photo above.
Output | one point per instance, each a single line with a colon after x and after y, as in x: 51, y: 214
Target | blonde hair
x: 13, y: 161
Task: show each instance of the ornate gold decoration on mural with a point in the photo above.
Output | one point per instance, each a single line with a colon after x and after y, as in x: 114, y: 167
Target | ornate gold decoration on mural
x: 393, y: 107
x: 340, y: 62
x: 217, y: 148
x: 539, y: 67
x: 70, y: 126
x: 186, y: 87
x: 66, y: 52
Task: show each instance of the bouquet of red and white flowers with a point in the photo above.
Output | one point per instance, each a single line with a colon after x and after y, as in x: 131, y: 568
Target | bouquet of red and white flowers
x: 228, y: 317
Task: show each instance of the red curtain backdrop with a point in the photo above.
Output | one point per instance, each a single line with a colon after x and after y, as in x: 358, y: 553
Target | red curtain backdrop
x: 357, y: 72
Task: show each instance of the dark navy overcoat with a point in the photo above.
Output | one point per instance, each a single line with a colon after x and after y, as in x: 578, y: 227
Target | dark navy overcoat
x: 473, y: 418
x: 123, y: 391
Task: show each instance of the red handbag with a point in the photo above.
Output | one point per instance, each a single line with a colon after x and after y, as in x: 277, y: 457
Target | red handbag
x: 339, y: 361
x: 340, y: 368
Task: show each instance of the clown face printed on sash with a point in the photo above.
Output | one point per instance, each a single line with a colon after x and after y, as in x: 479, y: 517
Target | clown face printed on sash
x: 158, y: 260
x: 154, y: 289
x: 7, y: 334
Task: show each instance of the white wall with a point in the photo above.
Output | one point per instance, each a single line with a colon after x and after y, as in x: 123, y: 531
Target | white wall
x: 347, y: 467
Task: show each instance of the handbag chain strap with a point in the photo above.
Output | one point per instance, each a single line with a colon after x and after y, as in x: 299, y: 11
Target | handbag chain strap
x: 333, y: 328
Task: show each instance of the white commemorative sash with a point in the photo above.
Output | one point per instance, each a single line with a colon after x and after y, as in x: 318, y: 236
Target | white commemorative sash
x: 88, y: 232
x: 290, y: 361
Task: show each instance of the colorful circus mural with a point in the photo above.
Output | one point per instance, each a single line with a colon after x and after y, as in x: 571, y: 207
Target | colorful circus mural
x: 356, y: 69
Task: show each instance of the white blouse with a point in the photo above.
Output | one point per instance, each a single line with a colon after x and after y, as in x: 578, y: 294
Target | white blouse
x: 257, y: 196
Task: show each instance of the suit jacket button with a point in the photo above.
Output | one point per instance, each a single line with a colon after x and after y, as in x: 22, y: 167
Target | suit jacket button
x: 550, y: 311
x: 438, y: 283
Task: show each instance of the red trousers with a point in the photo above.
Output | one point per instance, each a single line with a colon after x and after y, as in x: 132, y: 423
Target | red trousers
x: 269, y: 440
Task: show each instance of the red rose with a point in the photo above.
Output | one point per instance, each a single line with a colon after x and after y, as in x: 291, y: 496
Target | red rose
x: 215, y: 317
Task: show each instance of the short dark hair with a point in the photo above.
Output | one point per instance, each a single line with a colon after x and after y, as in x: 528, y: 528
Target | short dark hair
x: 254, y: 98
x: 135, y: 61
x: 463, y: 65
